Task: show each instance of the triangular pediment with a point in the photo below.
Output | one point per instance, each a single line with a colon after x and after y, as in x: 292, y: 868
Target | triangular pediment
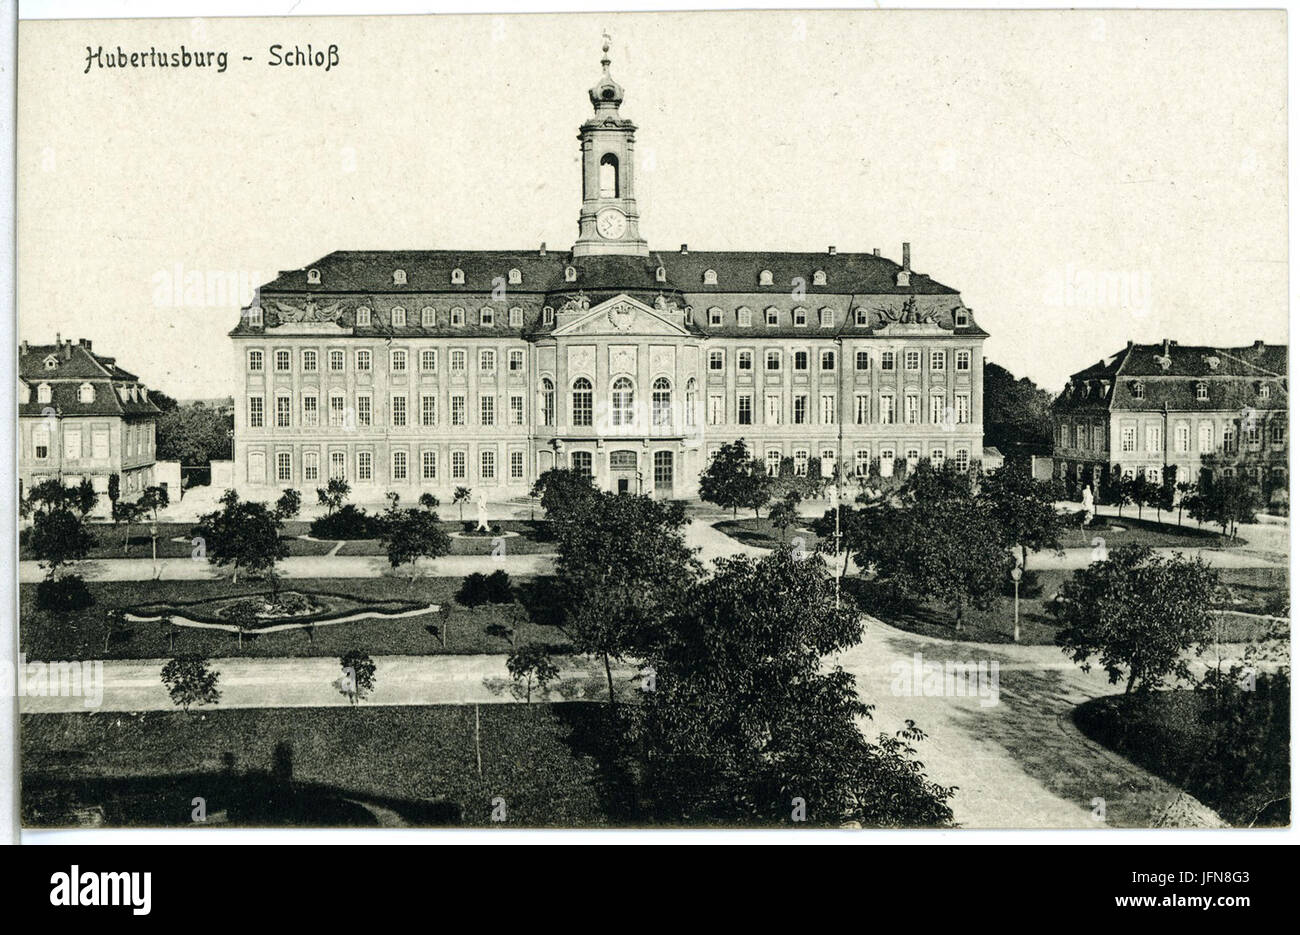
x: 624, y: 315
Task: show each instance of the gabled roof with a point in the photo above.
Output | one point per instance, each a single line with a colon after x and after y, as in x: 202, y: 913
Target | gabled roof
x: 75, y: 365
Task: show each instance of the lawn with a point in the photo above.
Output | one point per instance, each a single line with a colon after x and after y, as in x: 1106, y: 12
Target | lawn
x: 1247, y: 589
x: 1167, y: 733
x: 390, y: 766
x: 761, y: 534
x: 533, y: 536
x: 1129, y: 530
x: 81, y: 635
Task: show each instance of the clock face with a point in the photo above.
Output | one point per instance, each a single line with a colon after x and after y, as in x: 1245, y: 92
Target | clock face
x: 611, y: 224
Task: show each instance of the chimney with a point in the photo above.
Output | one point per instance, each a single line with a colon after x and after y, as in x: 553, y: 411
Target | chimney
x: 905, y: 274
x: 1165, y: 351
x: 58, y: 339
x: 831, y: 249
x: 541, y: 251
x: 1259, y: 345
x: 875, y: 251
x: 1129, y: 347
x: 24, y: 347
x: 683, y: 249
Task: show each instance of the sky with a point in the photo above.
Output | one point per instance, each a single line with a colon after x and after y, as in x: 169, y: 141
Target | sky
x: 1083, y: 178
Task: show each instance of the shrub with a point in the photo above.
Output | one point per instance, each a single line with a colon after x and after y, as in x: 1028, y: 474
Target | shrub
x: 474, y: 591
x: 347, y: 522
x: 498, y: 590
x: 63, y: 595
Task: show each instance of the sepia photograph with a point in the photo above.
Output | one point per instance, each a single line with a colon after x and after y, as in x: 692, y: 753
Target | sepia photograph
x: 704, y: 422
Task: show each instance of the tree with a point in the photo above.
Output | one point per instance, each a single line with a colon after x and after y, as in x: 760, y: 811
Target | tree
x: 289, y: 505
x: 621, y: 569
x: 1139, y: 491
x: 1138, y: 613
x: 333, y: 494
x: 127, y: 512
x: 153, y: 499
x: 1025, y: 508
x: 59, y: 537
x: 413, y: 534
x: 194, y: 435
x: 735, y: 479
x: 428, y: 502
x: 1225, y: 501
x: 1185, y: 496
x: 531, y: 666
x: 162, y: 400
x: 114, y: 488
x: 562, y: 489
x: 358, y: 675
x: 1017, y: 414
x: 83, y: 497
x: 461, y: 497
x: 953, y: 551
x: 785, y: 513
x: 190, y: 681
x: 244, y: 535
x: 745, y: 718
x: 1121, y: 492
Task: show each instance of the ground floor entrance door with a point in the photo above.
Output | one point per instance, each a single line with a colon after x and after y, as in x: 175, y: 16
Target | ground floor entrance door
x: 622, y: 471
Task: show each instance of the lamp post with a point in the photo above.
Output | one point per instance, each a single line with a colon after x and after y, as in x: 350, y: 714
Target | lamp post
x: 1016, y: 574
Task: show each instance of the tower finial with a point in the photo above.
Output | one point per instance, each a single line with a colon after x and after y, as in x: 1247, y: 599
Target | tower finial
x: 604, y: 48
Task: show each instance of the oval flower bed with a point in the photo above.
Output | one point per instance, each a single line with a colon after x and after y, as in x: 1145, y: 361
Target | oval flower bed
x: 265, y: 613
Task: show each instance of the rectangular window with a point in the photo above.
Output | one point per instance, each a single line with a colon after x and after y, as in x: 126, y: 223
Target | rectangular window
x: 457, y: 361
x: 862, y: 360
x: 282, y: 361
x: 337, y: 413
x: 283, y: 409
x: 1128, y: 439
x: 255, y: 361
x: 399, y: 465
x: 800, y: 360
x: 886, y: 360
x: 72, y: 442
x: 487, y: 410
x: 663, y: 470
x: 338, y: 466
x: 310, y: 410
x: 963, y: 364
x: 457, y: 409
x: 458, y: 465
x: 284, y: 467
x: 886, y: 462
x: 963, y: 408
x: 1205, y: 438
x: 800, y: 410
x: 801, y: 462
x: 336, y: 361
x: 936, y: 410
x: 255, y: 414
x: 716, y: 360
x: 862, y: 462
x: 911, y: 408
x: 99, y: 444
x: 516, y: 410
x: 828, y: 360
x: 428, y: 410
x: 516, y: 465
x: 912, y: 360
x: 429, y: 360
x: 1182, y: 438
x: 1153, y: 438
x: 1277, y: 430
x: 1230, y: 437
x: 399, y: 411
x: 487, y: 361
x: 365, y: 466
x: 828, y: 410
x: 888, y: 414
x: 428, y: 465
x: 516, y: 361
x: 308, y: 361
x: 937, y: 360
x: 773, y: 361
x: 744, y: 409
x: 310, y: 466
x: 773, y: 462
x: 773, y: 408
x: 1081, y: 436
x: 363, y: 361
x: 487, y: 465
x: 861, y: 409
x: 745, y: 360
x: 715, y: 410
x: 397, y: 360
x: 363, y: 409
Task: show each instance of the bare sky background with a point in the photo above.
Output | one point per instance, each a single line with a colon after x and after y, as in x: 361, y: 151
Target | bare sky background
x: 1026, y: 156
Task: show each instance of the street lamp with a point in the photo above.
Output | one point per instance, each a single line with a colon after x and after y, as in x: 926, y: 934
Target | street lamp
x: 1016, y: 574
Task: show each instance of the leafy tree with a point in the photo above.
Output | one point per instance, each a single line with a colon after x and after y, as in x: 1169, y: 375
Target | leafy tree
x: 244, y: 535
x: 83, y: 497
x: 1139, y: 491
x: 1017, y: 414
x: 153, y: 499
x: 190, y: 681
x: 1185, y: 496
x: 65, y: 595
x: 531, y: 667
x: 59, y: 537
x: 1121, y: 492
x: 785, y: 513
x: 499, y: 589
x: 1138, y: 613
x: 735, y: 479
x: 1024, y: 508
x: 1225, y: 501
x: 333, y: 494
x: 194, y: 435
x: 621, y: 569
x: 358, y: 675
x: 460, y: 497
x: 162, y: 400
x: 953, y: 551
x: 413, y: 534
x: 114, y: 488
x: 428, y: 502
x: 562, y: 489
x: 473, y: 590
x: 289, y: 505
x: 928, y: 484
x: 127, y: 512
x: 745, y: 718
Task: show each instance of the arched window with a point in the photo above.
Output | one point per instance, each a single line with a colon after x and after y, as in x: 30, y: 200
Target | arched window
x: 609, y: 176
x: 661, y: 402
x: 710, y: 278
x: 744, y: 317
x: 399, y: 277
x: 690, y: 401
x: 514, y: 277
x: 661, y: 274
x: 570, y: 274
x: 765, y: 278
x: 43, y: 393
x: 458, y: 277
x: 428, y: 317
x: 313, y: 277
x: 582, y: 401
x: 621, y: 402
x: 85, y: 393
x: 363, y: 316
x: 819, y: 278
x: 547, y: 401
x: 399, y: 317
x: 581, y: 462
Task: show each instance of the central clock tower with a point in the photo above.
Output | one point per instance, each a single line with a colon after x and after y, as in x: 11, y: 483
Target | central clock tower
x: 609, y: 221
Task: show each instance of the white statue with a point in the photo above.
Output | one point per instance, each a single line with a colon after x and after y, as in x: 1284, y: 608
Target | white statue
x: 1089, y: 510
x: 482, y: 512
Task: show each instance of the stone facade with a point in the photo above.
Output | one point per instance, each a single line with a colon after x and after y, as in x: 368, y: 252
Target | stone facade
x: 431, y: 370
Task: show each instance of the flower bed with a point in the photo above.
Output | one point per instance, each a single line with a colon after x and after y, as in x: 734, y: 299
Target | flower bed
x: 260, y: 611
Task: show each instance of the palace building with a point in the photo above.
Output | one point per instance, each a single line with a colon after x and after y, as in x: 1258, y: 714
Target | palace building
x: 1192, y: 408
x: 435, y: 369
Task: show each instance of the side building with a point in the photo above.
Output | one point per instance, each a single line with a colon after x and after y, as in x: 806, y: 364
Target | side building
x: 1199, y: 409
x: 80, y: 415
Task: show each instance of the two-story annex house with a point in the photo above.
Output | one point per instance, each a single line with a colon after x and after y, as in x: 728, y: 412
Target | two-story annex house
x: 80, y: 415
x: 415, y: 370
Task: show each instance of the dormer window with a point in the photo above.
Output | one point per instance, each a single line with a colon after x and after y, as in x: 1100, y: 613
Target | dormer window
x: 800, y: 317
x: 715, y: 317
x: 43, y: 393
x: 255, y: 316
x: 661, y: 274
x: 458, y: 317
x: 428, y: 317
x: 124, y: 392
x: 861, y: 318
x: 710, y: 278
x: 819, y: 277
x: 1139, y: 391
x: 570, y: 274
x: 486, y: 316
x: 52, y: 362
x: 961, y: 318
x: 1202, y: 392
x: 1263, y: 391
x: 85, y: 393
x: 514, y: 277
x: 363, y: 316
x: 765, y: 277
x: 744, y: 317
x: 548, y: 316
x: 827, y: 318
x: 458, y: 277
x: 516, y: 317
x: 313, y: 277
x: 399, y: 277
x: 773, y: 317
x: 399, y: 317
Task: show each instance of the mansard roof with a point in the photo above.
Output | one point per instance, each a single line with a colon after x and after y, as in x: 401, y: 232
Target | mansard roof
x: 72, y: 365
